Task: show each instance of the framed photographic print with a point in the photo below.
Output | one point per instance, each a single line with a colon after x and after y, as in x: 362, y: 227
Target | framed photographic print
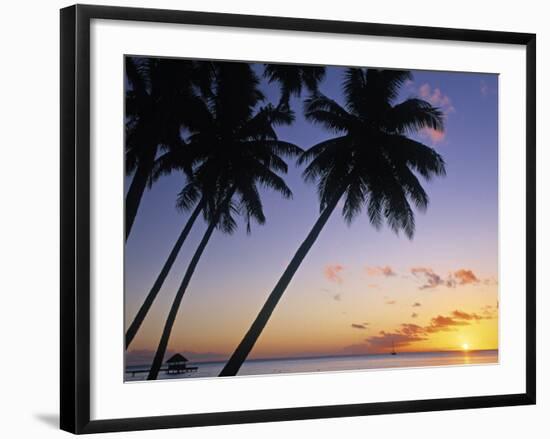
x: 268, y: 218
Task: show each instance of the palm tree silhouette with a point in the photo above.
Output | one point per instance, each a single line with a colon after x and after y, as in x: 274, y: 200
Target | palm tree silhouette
x: 371, y: 163
x: 235, y: 151
x: 293, y: 78
x: 178, y: 157
x: 160, y: 100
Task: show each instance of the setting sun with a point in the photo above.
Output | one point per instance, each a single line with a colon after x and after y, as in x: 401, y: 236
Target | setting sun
x: 465, y: 346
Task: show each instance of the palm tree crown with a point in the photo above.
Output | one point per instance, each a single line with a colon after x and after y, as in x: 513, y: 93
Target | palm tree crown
x: 232, y: 143
x: 371, y: 161
x: 160, y: 101
x: 293, y: 78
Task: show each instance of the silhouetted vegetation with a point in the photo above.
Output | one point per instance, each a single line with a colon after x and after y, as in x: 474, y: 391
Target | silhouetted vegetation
x: 211, y: 122
x: 370, y: 164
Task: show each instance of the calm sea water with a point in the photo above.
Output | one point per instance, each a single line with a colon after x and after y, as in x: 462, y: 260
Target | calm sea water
x: 329, y: 364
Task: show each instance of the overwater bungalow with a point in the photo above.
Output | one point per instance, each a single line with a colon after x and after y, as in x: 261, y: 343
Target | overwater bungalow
x: 177, y: 364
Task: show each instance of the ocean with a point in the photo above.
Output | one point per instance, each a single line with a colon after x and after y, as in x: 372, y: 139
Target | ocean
x: 328, y: 364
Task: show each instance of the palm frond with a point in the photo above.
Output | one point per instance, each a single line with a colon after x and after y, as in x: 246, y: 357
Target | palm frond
x: 423, y: 159
x: 382, y: 86
x: 293, y: 78
x: 324, y: 111
x: 188, y: 196
x: 412, y: 115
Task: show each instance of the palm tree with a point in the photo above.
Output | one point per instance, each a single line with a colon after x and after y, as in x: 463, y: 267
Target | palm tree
x: 293, y: 78
x: 165, y: 164
x: 371, y: 164
x: 160, y: 100
x: 235, y: 151
x: 178, y: 157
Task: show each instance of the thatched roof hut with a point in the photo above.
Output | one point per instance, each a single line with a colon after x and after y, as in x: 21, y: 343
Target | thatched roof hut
x: 176, y: 359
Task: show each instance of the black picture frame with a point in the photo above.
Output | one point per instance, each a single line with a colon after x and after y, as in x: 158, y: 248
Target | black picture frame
x: 75, y: 218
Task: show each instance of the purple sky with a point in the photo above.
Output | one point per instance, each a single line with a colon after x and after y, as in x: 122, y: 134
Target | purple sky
x: 236, y: 273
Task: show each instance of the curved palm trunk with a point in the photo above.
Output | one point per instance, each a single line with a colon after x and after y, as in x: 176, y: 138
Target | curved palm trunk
x: 148, y: 302
x: 241, y: 353
x: 163, y: 344
x: 136, y: 190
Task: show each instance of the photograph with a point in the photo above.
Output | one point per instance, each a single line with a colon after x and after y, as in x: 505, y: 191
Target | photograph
x: 288, y: 218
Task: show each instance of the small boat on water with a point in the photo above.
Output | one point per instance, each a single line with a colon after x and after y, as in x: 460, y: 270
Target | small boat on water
x: 393, y: 349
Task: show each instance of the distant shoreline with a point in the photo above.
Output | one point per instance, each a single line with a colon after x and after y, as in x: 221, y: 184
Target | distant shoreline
x: 321, y: 357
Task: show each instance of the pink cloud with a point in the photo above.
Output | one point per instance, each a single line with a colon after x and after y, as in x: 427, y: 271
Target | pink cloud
x: 465, y: 277
x: 386, y: 271
x: 437, y: 98
x: 432, y: 280
x: 483, y: 88
x: 434, y: 135
x: 332, y: 273
x: 424, y: 91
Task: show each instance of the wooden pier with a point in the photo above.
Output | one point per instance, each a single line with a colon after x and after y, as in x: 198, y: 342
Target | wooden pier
x: 177, y: 364
x: 187, y: 369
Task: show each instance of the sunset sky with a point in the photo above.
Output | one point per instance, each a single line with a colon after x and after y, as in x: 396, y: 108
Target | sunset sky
x: 359, y: 288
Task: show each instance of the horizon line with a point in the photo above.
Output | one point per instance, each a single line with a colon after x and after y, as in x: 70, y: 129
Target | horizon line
x: 312, y: 357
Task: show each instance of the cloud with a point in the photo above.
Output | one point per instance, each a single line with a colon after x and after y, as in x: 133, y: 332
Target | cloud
x: 433, y: 280
x: 408, y: 333
x: 359, y: 326
x: 409, y: 84
x: 385, y: 341
x: 434, y: 135
x: 391, y: 302
x: 465, y: 277
x: 414, y: 315
x: 465, y: 316
x: 489, y: 311
x: 337, y: 297
x: 436, y: 97
x: 332, y: 273
x: 490, y: 281
x: 386, y: 271
x: 416, y: 304
x: 483, y: 88
x: 444, y: 323
x: 417, y: 270
x: 411, y: 329
x: 374, y: 286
